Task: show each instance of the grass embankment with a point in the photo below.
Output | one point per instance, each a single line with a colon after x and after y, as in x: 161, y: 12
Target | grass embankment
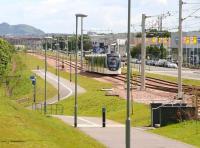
x: 24, y: 86
x: 91, y: 102
x: 188, y: 132
x: 28, y: 129
x: 23, y: 128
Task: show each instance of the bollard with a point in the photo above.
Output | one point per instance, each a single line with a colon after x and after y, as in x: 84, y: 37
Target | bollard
x: 38, y: 67
x: 103, y: 117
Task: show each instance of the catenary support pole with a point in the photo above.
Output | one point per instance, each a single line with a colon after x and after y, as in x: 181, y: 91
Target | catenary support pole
x: 180, y: 93
x: 143, y: 57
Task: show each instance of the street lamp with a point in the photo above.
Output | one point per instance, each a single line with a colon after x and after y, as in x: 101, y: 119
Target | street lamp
x: 82, y: 40
x: 45, y: 75
x: 76, y: 51
x: 58, y: 68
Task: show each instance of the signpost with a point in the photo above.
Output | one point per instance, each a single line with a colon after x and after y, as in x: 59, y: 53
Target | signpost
x: 33, y: 79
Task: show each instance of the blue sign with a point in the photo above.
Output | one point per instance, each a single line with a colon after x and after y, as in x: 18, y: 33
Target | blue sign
x: 33, y: 79
x: 198, y: 40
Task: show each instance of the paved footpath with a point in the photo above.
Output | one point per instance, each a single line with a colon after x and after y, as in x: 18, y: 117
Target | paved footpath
x: 67, y: 88
x: 113, y: 136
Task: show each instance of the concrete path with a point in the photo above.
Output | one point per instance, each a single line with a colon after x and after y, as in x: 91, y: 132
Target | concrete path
x: 67, y: 88
x: 113, y: 136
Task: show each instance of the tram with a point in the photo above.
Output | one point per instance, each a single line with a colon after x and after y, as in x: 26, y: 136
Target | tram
x: 104, y: 63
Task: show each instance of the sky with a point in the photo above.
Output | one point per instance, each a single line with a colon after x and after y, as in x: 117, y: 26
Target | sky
x: 58, y: 16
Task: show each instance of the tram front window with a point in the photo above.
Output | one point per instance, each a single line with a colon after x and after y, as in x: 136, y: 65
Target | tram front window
x: 113, y: 63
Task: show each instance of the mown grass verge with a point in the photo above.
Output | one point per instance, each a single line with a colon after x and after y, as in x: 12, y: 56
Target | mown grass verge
x: 24, y: 88
x: 23, y: 128
x: 91, y: 102
x: 188, y: 132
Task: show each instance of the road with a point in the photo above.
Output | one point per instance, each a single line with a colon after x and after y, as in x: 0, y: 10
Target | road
x: 186, y: 72
x: 113, y: 136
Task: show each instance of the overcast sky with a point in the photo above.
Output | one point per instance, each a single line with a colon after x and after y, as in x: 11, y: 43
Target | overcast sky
x: 58, y: 16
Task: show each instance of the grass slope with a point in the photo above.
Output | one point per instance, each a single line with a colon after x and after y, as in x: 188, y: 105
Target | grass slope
x: 188, y: 132
x: 91, y: 102
x: 22, y: 128
x: 24, y: 87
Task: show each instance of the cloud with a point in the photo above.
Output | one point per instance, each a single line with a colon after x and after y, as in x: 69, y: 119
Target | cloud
x: 59, y: 15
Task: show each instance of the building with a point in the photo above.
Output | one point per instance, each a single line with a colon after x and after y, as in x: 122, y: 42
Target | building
x: 191, y: 47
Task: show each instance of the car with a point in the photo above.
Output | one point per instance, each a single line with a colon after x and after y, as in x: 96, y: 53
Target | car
x: 138, y: 62
x: 149, y: 62
x: 133, y: 61
x: 161, y: 62
x: 172, y: 65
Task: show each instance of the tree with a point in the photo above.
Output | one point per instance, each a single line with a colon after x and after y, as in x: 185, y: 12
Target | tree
x: 87, y: 43
x: 163, y: 52
x: 6, y: 51
x: 153, y: 52
x: 136, y: 51
x: 155, y: 33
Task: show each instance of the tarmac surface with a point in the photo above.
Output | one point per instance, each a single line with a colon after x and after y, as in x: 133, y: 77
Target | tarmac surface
x: 113, y: 136
x: 186, y: 72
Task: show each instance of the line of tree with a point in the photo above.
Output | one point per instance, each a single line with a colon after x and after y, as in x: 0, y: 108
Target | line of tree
x: 155, y: 33
x: 6, y: 52
x: 152, y: 52
x: 87, y: 43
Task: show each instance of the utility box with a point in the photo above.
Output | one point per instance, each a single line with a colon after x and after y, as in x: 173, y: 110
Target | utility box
x: 165, y: 114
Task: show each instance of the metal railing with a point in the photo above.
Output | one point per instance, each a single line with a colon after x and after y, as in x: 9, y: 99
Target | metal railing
x: 52, y: 109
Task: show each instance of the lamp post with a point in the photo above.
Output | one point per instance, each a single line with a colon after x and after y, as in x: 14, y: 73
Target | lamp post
x: 82, y: 16
x: 70, y: 67
x: 45, y: 76
x: 76, y: 51
x: 128, y: 120
x: 58, y: 69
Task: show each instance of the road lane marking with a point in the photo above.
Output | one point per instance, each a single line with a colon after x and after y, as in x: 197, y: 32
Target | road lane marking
x: 69, y: 89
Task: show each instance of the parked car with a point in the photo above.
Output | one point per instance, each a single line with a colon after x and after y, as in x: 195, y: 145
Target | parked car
x: 172, y: 65
x: 134, y: 60
x: 161, y: 62
x: 150, y: 62
x: 138, y: 61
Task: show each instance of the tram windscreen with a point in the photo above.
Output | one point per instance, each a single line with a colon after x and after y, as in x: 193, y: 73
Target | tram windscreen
x: 113, y: 62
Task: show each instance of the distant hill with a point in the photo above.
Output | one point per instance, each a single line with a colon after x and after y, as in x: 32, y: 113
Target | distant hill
x: 19, y: 30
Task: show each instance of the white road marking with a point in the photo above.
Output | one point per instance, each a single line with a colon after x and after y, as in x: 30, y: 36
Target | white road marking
x: 70, y: 91
x: 87, y: 121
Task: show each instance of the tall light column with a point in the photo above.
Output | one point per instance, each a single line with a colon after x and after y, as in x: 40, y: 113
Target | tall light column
x: 82, y: 16
x: 58, y: 69
x: 45, y: 76
x: 76, y: 50
x: 82, y: 43
x: 76, y: 70
x: 180, y: 52
x: 128, y: 119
